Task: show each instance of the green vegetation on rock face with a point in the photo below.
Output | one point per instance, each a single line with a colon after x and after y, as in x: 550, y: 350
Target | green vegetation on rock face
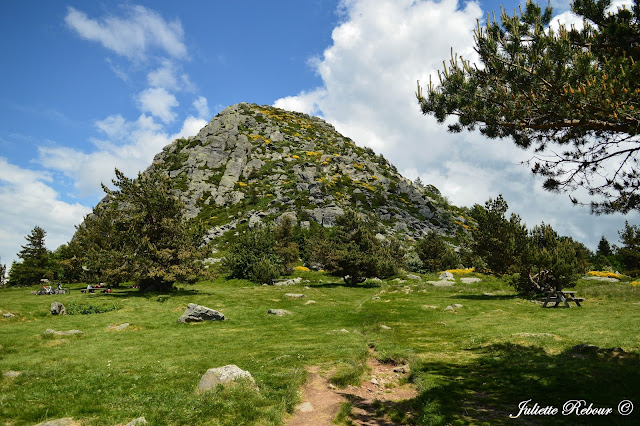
x: 252, y: 159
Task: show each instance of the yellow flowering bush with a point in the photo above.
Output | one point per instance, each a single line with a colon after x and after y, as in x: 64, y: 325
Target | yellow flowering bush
x: 635, y: 283
x: 241, y: 184
x: 603, y: 274
x: 301, y: 269
x: 461, y: 271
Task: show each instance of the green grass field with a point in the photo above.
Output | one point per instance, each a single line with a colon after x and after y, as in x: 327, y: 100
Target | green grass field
x: 474, y: 365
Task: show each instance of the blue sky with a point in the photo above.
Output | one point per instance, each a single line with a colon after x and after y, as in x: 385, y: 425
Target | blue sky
x: 89, y: 86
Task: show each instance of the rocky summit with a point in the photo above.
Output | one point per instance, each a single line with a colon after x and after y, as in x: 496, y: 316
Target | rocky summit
x: 252, y: 163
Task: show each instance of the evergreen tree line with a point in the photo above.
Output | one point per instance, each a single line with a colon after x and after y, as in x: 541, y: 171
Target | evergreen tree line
x: 138, y: 234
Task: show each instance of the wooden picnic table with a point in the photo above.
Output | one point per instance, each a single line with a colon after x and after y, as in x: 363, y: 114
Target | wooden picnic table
x: 562, y: 296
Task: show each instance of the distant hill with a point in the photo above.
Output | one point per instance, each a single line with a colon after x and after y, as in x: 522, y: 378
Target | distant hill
x: 252, y: 163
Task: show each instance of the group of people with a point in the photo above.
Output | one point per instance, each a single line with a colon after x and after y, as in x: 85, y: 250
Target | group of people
x: 47, y: 289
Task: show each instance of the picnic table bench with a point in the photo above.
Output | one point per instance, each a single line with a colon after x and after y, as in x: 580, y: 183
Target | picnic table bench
x: 93, y: 290
x: 562, y: 296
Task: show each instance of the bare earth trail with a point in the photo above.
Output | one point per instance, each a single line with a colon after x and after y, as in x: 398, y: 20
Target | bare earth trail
x: 321, y: 400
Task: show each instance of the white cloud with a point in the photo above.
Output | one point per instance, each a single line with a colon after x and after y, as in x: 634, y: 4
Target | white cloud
x: 132, y: 35
x: 129, y: 145
x: 202, y: 106
x: 305, y: 102
x: 158, y: 102
x: 369, y: 78
x: 27, y: 200
x: 169, y: 76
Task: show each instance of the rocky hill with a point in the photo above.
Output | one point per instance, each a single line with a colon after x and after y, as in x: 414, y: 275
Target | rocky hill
x: 254, y: 162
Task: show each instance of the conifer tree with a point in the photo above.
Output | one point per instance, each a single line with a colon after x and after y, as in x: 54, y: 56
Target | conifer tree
x: 571, y: 94
x: 139, y: 233
x: 35, y: 261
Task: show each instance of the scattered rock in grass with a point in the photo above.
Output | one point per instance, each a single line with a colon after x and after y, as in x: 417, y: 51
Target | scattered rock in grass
x: 292, y: 281
x: 607, y: 279
x: 118, y: 327
x: 414, y: 277
x: 535, y: 335
x: 429, y: 307
x: 11, y: 374
x: 304, y: 407
x: 310, y: 302
x: 375, y: 298
x: 374, y: 280
x: 198, y: 313
x: 452, y: 308
x: 457, y: 305
x: 50, y: 332
x: 584, y: 349
x: 278, y: 312
x: 402, y: 369
x: 66, y: 421
x: 441, y: 283
x: 8, y: 315
x: 343, y: 330
x: 470, y: 280
x: 223, y: 375
x: 446, y: 276
x: 399, y: 280
x: 294, y: 295
x: 57, y: 308
x: 385, y: 327
x: 138, y: 421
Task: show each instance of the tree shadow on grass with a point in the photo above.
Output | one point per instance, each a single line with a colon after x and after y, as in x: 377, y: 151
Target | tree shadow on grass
x: 485, y: 297
x: 343, y: 284
x: 121, y: 293
x: 492, y: 386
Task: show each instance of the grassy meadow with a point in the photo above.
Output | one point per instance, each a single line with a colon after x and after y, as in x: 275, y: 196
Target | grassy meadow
x: 471, y: 366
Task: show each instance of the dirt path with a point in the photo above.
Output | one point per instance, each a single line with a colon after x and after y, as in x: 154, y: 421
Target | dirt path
x: 380, y: 390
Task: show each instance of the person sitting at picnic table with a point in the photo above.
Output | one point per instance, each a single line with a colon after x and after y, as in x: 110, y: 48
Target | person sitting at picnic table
x: 89, y: 287
x: 59, y: 286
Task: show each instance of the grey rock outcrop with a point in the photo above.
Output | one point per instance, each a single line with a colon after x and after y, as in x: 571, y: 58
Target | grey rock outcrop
x: 278, y: 312
x: 198, y: 313
x: 53, y: 333
x: 57, y: 308
x: 223, y: 376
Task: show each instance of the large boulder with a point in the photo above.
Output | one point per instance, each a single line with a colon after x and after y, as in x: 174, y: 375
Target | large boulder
x: 223, y: 375
x: 198, y: 313
x: 58, y: 308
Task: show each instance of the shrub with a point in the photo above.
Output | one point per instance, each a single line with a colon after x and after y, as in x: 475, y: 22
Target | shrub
x: 252, y: 256
x: 435, y: 254
x: 74, y: 308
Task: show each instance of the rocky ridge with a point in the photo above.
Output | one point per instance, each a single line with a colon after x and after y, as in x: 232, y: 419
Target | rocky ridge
x: 254, y: 162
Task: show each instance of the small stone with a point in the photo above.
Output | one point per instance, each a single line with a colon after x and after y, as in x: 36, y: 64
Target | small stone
x: 222, y: 375
x: 138, y: 421
x: 384, y: 327
x: 449, y: 309
x: 58, y: 308
x: 294, y: 295
x: 402, y: 369
x: 446, y: 276
x: 66, y: 421
x: 51, y: 332
x: 8, y: 315
x: 278, y: 312
x: 429, y: 307
x: 374, y: 381
x: 198, y: 313
x: 343, y: 330
x: 414, y: 277
x: 457, y: 305
x: 310, y: 302
x: 375, y: 298
x: 119, y: 327
x: 12, y: 374
x: 304, y: 407
x: 470, y: 280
